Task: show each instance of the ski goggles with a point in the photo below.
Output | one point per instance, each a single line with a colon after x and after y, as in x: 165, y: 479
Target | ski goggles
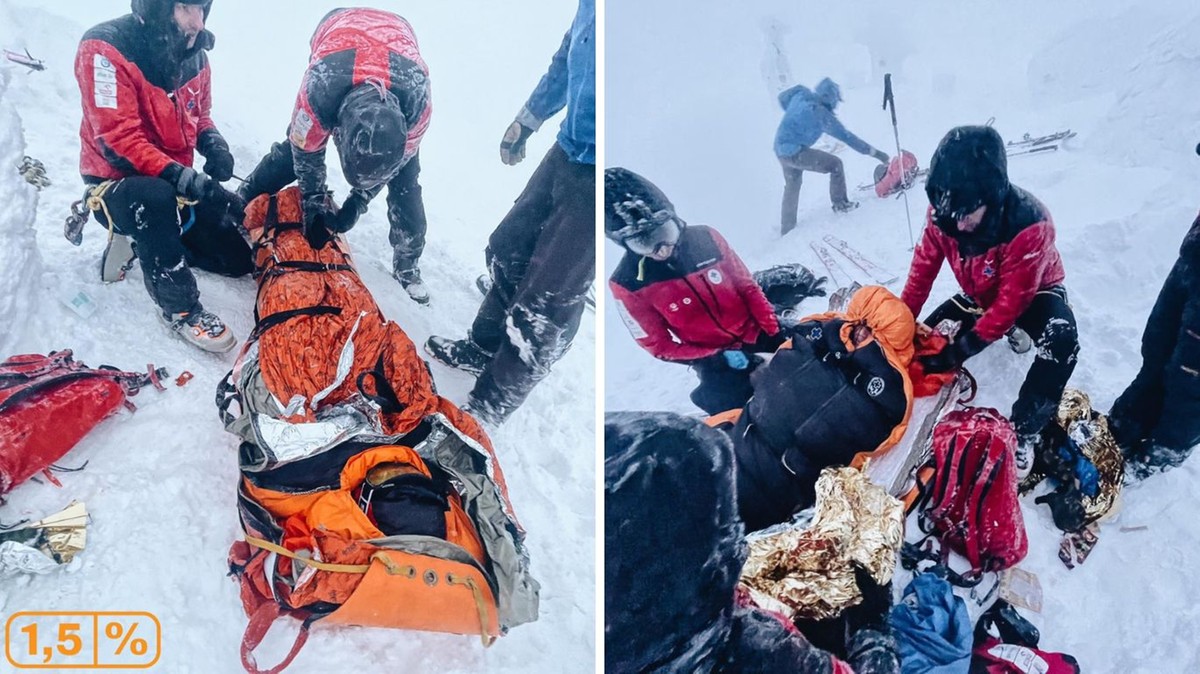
x: 951, y: 209
x: 656, y: 241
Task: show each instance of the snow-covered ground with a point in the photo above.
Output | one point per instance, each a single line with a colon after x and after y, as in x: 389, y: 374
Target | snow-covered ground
x: 160, y: 483
x: 687, y: 106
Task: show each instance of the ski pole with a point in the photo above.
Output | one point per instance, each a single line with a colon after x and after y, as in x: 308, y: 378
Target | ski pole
x: 890, y: 99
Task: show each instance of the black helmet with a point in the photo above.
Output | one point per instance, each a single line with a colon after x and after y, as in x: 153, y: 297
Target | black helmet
x: 370, y: 135
x: 969, y: 169
x: 159, y: 12
x: 633, y: 206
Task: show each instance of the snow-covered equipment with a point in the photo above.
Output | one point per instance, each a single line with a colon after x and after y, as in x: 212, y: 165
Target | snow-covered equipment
x: 34, y: 172
x: 366, y: 498
x: 49, y: 402
x: 25, y: 59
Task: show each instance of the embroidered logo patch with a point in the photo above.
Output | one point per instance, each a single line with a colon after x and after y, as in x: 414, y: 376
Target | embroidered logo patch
x: 673, y: 307
x: 687, y: 300
x: 815, y: 334
x: 635, y: 328
x: 104, y: 82
x: 875, y: 387
x: 302, y: 123
x: 714, y: 276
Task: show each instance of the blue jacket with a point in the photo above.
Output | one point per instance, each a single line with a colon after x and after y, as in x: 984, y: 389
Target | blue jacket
x: 932, y: 628
x: 570, y: 83
x: 805, y: 118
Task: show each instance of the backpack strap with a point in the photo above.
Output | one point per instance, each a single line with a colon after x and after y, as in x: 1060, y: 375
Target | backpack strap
x: 385, y: 395
x: 256, y: 630
x: 267, y: 322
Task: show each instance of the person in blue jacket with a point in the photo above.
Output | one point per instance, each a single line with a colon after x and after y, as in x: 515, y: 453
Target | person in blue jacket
x: 542, y: 256
x: 807, y: 115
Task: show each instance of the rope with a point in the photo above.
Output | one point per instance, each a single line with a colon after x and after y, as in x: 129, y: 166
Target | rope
x: 96, y: 203
x: 480, y: 605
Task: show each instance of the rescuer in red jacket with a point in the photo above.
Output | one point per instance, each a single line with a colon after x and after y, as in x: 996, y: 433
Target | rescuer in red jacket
x: 999, y: 242
x: 366, y: 87
x: 144, y: 84
x: 684, y: 295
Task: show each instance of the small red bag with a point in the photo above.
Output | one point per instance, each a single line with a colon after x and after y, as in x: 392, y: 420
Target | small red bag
x: 900, y: 174
x: 994, y: 657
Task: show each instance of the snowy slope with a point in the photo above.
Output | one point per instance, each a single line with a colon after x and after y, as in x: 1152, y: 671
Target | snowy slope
x: 700, y: 121
x: 160, y: 483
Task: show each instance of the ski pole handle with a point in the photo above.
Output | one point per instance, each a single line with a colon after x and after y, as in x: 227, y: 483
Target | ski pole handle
x: 889, y: 99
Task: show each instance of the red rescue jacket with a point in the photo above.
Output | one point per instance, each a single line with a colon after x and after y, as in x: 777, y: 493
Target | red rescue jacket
x: 1003, y: 279
x: 142, y: 109
x: 349, y: 47
x: 700, y: 302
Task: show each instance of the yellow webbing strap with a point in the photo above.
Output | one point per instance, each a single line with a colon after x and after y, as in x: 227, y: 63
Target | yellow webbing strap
x: 95, y: 202
x: 320, y: 566
x: 480, y: 605
x: 641, y: 269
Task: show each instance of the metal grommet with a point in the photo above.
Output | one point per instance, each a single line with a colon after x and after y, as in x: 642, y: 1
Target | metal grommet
x: 431, y: 578
x: 412, y: 572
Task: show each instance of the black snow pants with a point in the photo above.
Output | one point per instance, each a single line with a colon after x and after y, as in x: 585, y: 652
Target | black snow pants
x: 1156, y: 421
x: 405, y: 207
x: 1050, y: 322
x: 542, y: 259
x: 146, y: 210
x: 723, y: 388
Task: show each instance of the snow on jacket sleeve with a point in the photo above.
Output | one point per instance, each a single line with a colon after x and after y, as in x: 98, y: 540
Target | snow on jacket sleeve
x: 550, y: 95
x: 751, y: 292
x: 926, y: 263
x: 1021, y: 274
x: 110, y: 103
x: 831, y: 125
x: 651, y: 330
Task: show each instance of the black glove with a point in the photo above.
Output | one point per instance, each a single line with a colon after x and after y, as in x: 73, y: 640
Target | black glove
x: 872, y: 612
x: 512, y: 146
x: 319, y: 214
x: 188, y: 182
x: 219, y: 161
x: 352, y: 209
x: 881, y: 156
x: 955, y: 354
x: 824, y: 336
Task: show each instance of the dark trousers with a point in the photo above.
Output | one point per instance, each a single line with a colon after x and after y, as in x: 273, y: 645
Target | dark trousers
x: 542, y: 258
x: 723, y: 388
x: 793, y: 177
x: 1157, y: 419
x: 405, y: 207
x: 145, y: 209
x: 1050, y: 322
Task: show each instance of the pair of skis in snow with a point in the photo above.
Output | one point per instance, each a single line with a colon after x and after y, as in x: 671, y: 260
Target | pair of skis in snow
x: 837, y: 273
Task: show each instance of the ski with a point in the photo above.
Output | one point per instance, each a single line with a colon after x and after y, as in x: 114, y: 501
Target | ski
x: 877, y: 273
x: 1028, y: 140
x: 25, y: 59
x: 836, y: 274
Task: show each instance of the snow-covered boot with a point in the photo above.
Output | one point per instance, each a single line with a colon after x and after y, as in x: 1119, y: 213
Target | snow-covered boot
x: 1027, y: 446
x: 1019, y: 340
x: 410, y: 280
x: 844, y: 206
x: 117, y: 259
x: 202, y: 329
x: 483, y: 284
x: 460, y: 354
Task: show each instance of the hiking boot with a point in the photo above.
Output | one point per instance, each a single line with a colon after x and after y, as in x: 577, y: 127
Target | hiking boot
x: 1026, y: 453
x: 201, y: 329
x: 117, y: 259
x: 460, y: 354
x: 410, y: 280
x: 1019, y: 340
x: 845, y: 206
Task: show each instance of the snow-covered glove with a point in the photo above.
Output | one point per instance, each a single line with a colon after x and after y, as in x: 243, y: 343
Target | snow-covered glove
x: 512, y: 146
x: 219, y: 160
x: 955, y: 354
x: 736, y: 359
x: 872, y: 612
x: 352, y: 209
x: 881, y: 156
x: 188, y: 182
x: 319, y: 214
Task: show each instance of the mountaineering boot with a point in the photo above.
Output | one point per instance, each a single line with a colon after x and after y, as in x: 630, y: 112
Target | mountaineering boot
x: 201, y: 329
x: 1019, y: 340
x: 844, y: 206
x: 410, y: 280
x: 1026, y: 453
x: 117, y: 259
x: 460, y: 354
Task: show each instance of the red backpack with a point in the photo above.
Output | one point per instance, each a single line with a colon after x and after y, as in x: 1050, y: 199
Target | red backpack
x: 973, y: 506
x: 899, y: 174
x: 48, y: 403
